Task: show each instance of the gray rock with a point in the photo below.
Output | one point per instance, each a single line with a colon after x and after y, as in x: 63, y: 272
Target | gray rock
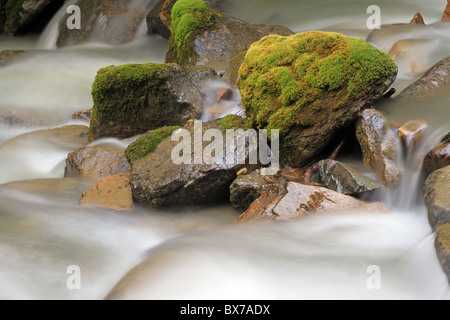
x: 434, y: 81
x: 94, y: 162
x: 379, y: 146
x: 344, y: 179
x: 158, y: 182
x: 133, y: 99
x: 437, y: 200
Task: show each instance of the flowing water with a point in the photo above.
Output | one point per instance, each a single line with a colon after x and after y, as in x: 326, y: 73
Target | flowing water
x: 199, y: 252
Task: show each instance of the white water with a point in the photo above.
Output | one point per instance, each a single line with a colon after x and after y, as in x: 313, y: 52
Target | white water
x: 198, y: 253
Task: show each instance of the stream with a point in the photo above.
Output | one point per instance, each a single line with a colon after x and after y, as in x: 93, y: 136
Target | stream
x: 199, y: 253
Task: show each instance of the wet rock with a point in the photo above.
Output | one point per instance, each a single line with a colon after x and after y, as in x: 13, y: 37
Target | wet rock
x: 434, y: 81
x: 84, y: 115
x: 159, y: 182
x: 224, y: 94
x: 148, y: 143
x: 312, y: 93
x: 133, y: 99
x: 204, y: 37
x: 269, y: 195
x: 436, y: 197
x: 443, y: 247
x: 446, y: 15
x: 247, y: 188
x: 159, y: 20
x: 8, y: 56
x: 301, y: 200
x: 96, y: 163
x: 379, y: 146
x: 412, y: 54
x: 2, y: 15
x: 19, y: 14
x: 418, y: 19
x: 344, y: 179
x: 113, y: 22
x: 439, y: 157
x: 411, y: 133
x: 231, y: 73
x: 112, y: 192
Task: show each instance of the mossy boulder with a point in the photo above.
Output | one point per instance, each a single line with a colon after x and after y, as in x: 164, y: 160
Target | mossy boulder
x: 202, y: 36
x: 159, y: 20
x: 148, y: 143
x: 159, y: 182
x: 109, y: 21
x: 19, y: 14
x: 135, y: 98
x: 311, y: 86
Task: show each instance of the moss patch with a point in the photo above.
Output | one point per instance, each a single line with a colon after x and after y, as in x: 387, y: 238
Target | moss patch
x: 189, y: 18
x: 148, y: 143
x: 234, y: 122
x: 134, y: 82
x: 285, y: 81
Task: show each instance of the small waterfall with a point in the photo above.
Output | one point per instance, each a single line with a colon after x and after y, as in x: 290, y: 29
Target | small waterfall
x: 106, y: 27
x: 408, y: 197
x: 47, y: 40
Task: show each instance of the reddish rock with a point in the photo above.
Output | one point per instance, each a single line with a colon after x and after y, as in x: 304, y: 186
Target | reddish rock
x: 446, y: 16
x: 418, y: 19
x: 439, y: 157
x: 112, y: 192
x: 294, y: 175
x: 224, y: 94
x: 269, y: 196
x: 302, y: 200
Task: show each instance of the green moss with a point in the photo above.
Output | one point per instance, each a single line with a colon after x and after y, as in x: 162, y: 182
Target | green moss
x: 12, y: 10
x: 189, y: 18
x: 284, y: 80
x: 134, y: 81
x: 148, y: 143
x: 234, y: 122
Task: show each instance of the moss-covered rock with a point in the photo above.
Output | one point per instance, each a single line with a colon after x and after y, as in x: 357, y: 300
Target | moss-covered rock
x: 233, y: 121
x: 159, y: 20
x: 120, y: 20
x: 148, y: 143
x: 159, y: 182
x: 202, y: 36
x: 311, y: 86
x: 135, y: 98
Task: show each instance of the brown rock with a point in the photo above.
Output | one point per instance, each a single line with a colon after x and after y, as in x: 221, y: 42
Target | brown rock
x: 412, y: 132
x: 446, y: 16
x: 439, y: 157
x: 443, y: 247
x: 379, y: 146
x: 112, y: 192
x: 418, y: 19
x: 436, y: 191
x: 8, y: 56
x: 224, y: 94
x: 95, y: 162
x: 269, y: 195
x: 302, y: 200
x: 412, y: 53
x: 83, y: 115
